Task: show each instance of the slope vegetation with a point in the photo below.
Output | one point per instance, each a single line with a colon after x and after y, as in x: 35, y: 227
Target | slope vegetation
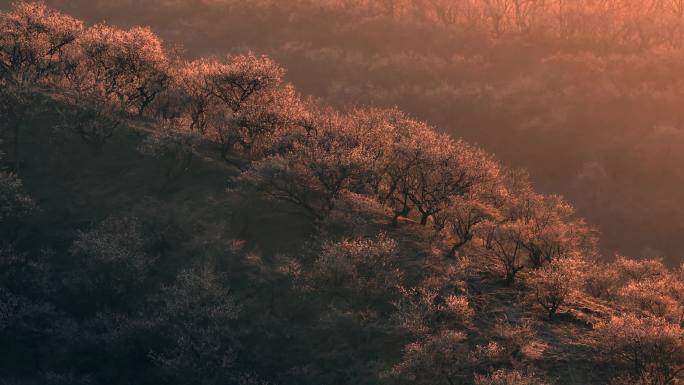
x: 199, y: 222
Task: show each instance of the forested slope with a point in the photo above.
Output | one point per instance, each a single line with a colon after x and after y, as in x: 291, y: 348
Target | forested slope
x: 200, y: 222
x: 586, y: 95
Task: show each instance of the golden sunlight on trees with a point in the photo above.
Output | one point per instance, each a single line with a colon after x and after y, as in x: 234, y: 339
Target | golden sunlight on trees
x: 554, y: 283
x: 215, y: 279
x: 440, y: 359
x: 506, y: 245
x: 464, y: 217
x: 34, y: 41
x: 128, y: 67
x: 649, y: 349
x: 239, y: 103
x: 650, y: 287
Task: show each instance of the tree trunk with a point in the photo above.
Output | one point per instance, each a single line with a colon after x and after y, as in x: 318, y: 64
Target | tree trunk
x: 395, y: 219
x: 510, y: 276
x: 536, y: 259
x: 424, y: 219
x: 15, y: 144
x: 403, y: 213
x: 457, y: 246
x: 552, y: 312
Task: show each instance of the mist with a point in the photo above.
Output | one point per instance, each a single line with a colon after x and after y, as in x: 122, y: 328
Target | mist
x: 592, y: 110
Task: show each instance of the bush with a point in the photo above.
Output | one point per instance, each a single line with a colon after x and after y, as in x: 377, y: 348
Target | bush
x: 22, y: 322
x: 174, y: 148
x: 34, y: 41
x: 507, y: 377
x: 512, y: 338
x: 601, y: 281
x: 649, y: 286
x: 423, y: 310
x: 438, y: 302
x: 196, y: 321
x: 650, y: 349
x: 554, y: 282
x: 239, y: 103
x: 93, y: 121
x: 661, y: 296
x: 14, y: 202
x: 462, y: 219
x: 115, y: 256
x: 359, y: 271
x: 435, y: 360
x: 639, y: 269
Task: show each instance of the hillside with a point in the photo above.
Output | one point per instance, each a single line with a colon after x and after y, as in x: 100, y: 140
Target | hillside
x: 584, y: 94
x: 200, y: 222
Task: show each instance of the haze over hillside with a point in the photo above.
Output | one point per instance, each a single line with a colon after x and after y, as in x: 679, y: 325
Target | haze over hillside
x: 592, y: 111
x: 171, y: 219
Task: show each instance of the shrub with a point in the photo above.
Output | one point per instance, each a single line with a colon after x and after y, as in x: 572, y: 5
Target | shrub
x: 649, y: 286
x: 601, y: 281
x: 14, y: 202
x: 359, y: 271
x: 173, y: 147
x: 241, y: 102
x: 21, y: 321
x: 261, y: 125
x: 639, y: 269
x: 92, y: 120
x: 438, y: 302
x: 507, y: 377
x: 280, y: 179
x: 662, y: 296
x: 315, y: 172
x: 114, y: 254
x: 553, y: 230
x: 512, y: 338
x: 196, y: 321
x: 420, y: 169
x: 650, y: 348
x: 555, y: 282
x: 423, y: 310
x: 435, y: 360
